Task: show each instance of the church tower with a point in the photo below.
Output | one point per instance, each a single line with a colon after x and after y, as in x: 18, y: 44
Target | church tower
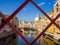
x: 37, y: 18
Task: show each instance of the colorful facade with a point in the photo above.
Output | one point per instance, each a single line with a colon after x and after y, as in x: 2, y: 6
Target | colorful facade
x: 14, y: 21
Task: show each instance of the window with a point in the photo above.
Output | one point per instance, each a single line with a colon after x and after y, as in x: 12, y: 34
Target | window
x: 15, y: 26
x: 2, y: 20
x: 57, y: 7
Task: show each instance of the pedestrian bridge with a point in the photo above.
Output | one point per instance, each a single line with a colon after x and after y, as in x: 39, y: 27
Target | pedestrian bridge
x: 27, y: 30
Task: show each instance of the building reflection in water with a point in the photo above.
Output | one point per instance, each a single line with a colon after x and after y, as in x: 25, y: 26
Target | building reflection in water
x: 30, y: 37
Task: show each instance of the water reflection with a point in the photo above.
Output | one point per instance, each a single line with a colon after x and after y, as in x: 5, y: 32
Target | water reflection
x: 30, y: 37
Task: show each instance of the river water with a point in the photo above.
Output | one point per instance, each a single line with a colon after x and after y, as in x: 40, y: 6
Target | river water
x: 30, y: 37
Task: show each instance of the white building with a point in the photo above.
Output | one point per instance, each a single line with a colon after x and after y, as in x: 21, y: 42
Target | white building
x: 37, y: 18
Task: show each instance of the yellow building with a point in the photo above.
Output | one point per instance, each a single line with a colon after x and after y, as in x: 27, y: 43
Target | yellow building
x: 44, y: 21
x: 41, y: 23
x: 14, y: 21
x: 56, y: 8
x: 23, y: 25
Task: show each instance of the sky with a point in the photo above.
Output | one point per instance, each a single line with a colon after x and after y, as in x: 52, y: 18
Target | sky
x: 29, y: 12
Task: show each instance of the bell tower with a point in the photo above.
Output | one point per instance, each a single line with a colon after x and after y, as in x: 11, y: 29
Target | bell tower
x: 37, y: 17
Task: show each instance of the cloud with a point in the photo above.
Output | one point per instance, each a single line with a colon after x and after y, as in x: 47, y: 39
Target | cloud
x: 42, y: 3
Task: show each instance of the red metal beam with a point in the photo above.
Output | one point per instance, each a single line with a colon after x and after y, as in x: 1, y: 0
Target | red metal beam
x: 13, y: 14
x: 15, y: 29
x: 44, y: 30
x: 45, y: 14
x: 52, y: 22
x: 19, y: 9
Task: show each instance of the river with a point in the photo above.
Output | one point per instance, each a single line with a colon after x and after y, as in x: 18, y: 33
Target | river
x: 30, y: 37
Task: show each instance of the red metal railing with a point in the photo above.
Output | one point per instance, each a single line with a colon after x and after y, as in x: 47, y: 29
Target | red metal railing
x: 7, y: 21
